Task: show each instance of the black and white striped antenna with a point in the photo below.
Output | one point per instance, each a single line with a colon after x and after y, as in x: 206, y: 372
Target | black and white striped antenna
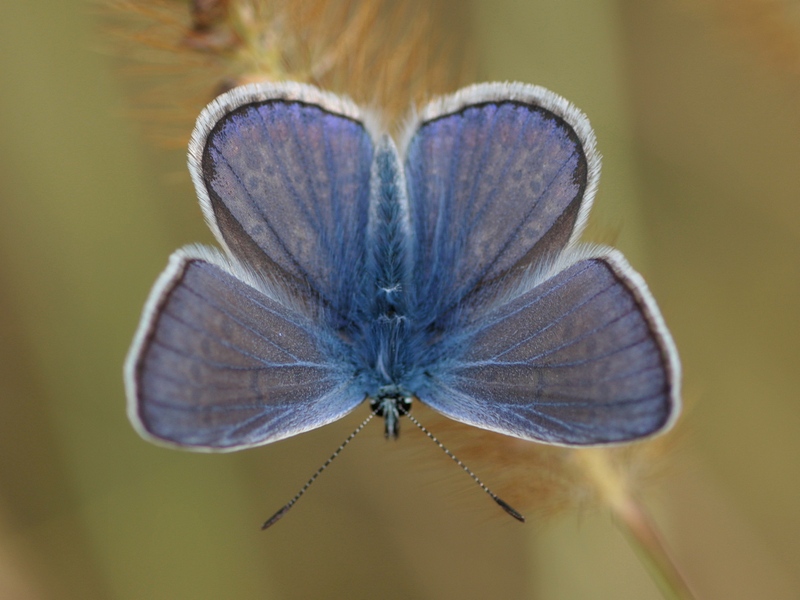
x: 505, y: 506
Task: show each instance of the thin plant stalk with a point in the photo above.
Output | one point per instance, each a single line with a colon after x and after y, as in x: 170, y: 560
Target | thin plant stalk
x: 633, y: 520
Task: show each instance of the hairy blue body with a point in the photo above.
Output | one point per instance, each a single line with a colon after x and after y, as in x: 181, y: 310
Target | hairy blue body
x: 387, y: 337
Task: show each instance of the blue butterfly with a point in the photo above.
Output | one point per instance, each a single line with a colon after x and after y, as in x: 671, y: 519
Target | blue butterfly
x: 445, y: 269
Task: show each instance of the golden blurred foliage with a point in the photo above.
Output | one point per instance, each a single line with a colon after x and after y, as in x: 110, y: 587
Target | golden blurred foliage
x: 698, y: 133
x: 384, y: 54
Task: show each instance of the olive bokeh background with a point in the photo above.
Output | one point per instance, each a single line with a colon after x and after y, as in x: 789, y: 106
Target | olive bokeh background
x: 699, y: 125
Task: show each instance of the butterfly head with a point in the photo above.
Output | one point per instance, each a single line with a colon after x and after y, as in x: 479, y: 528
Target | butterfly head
x: 391, y: 403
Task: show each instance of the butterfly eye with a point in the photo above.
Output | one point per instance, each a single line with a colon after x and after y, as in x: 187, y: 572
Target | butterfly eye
x: 404, y: 406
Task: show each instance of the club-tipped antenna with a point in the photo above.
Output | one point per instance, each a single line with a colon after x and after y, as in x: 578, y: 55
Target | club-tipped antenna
x: 277, y: 516
x: 519, y: 517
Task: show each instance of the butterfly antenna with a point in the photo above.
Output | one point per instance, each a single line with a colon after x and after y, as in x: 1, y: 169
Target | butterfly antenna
x: 519, y: 517
x: 276, y: 517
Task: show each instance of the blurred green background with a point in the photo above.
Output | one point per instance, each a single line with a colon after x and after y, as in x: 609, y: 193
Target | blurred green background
x: 697, y: 116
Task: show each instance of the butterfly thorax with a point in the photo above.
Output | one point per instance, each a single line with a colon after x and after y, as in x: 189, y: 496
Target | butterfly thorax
x: 386, y: 327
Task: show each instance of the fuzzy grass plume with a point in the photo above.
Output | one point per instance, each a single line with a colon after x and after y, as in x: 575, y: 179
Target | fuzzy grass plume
x: 385, y: 55
x: 768, y: 29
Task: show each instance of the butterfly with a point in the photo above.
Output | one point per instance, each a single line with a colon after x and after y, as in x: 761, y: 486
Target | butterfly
x: 445, y: 268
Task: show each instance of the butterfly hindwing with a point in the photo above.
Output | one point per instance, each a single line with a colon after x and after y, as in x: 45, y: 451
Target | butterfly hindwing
x: 582, y: 358
x: 220, y: 365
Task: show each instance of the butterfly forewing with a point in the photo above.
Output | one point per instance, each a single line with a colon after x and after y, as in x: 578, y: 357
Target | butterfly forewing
x: 498, y: 177
x: 283, y: 175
